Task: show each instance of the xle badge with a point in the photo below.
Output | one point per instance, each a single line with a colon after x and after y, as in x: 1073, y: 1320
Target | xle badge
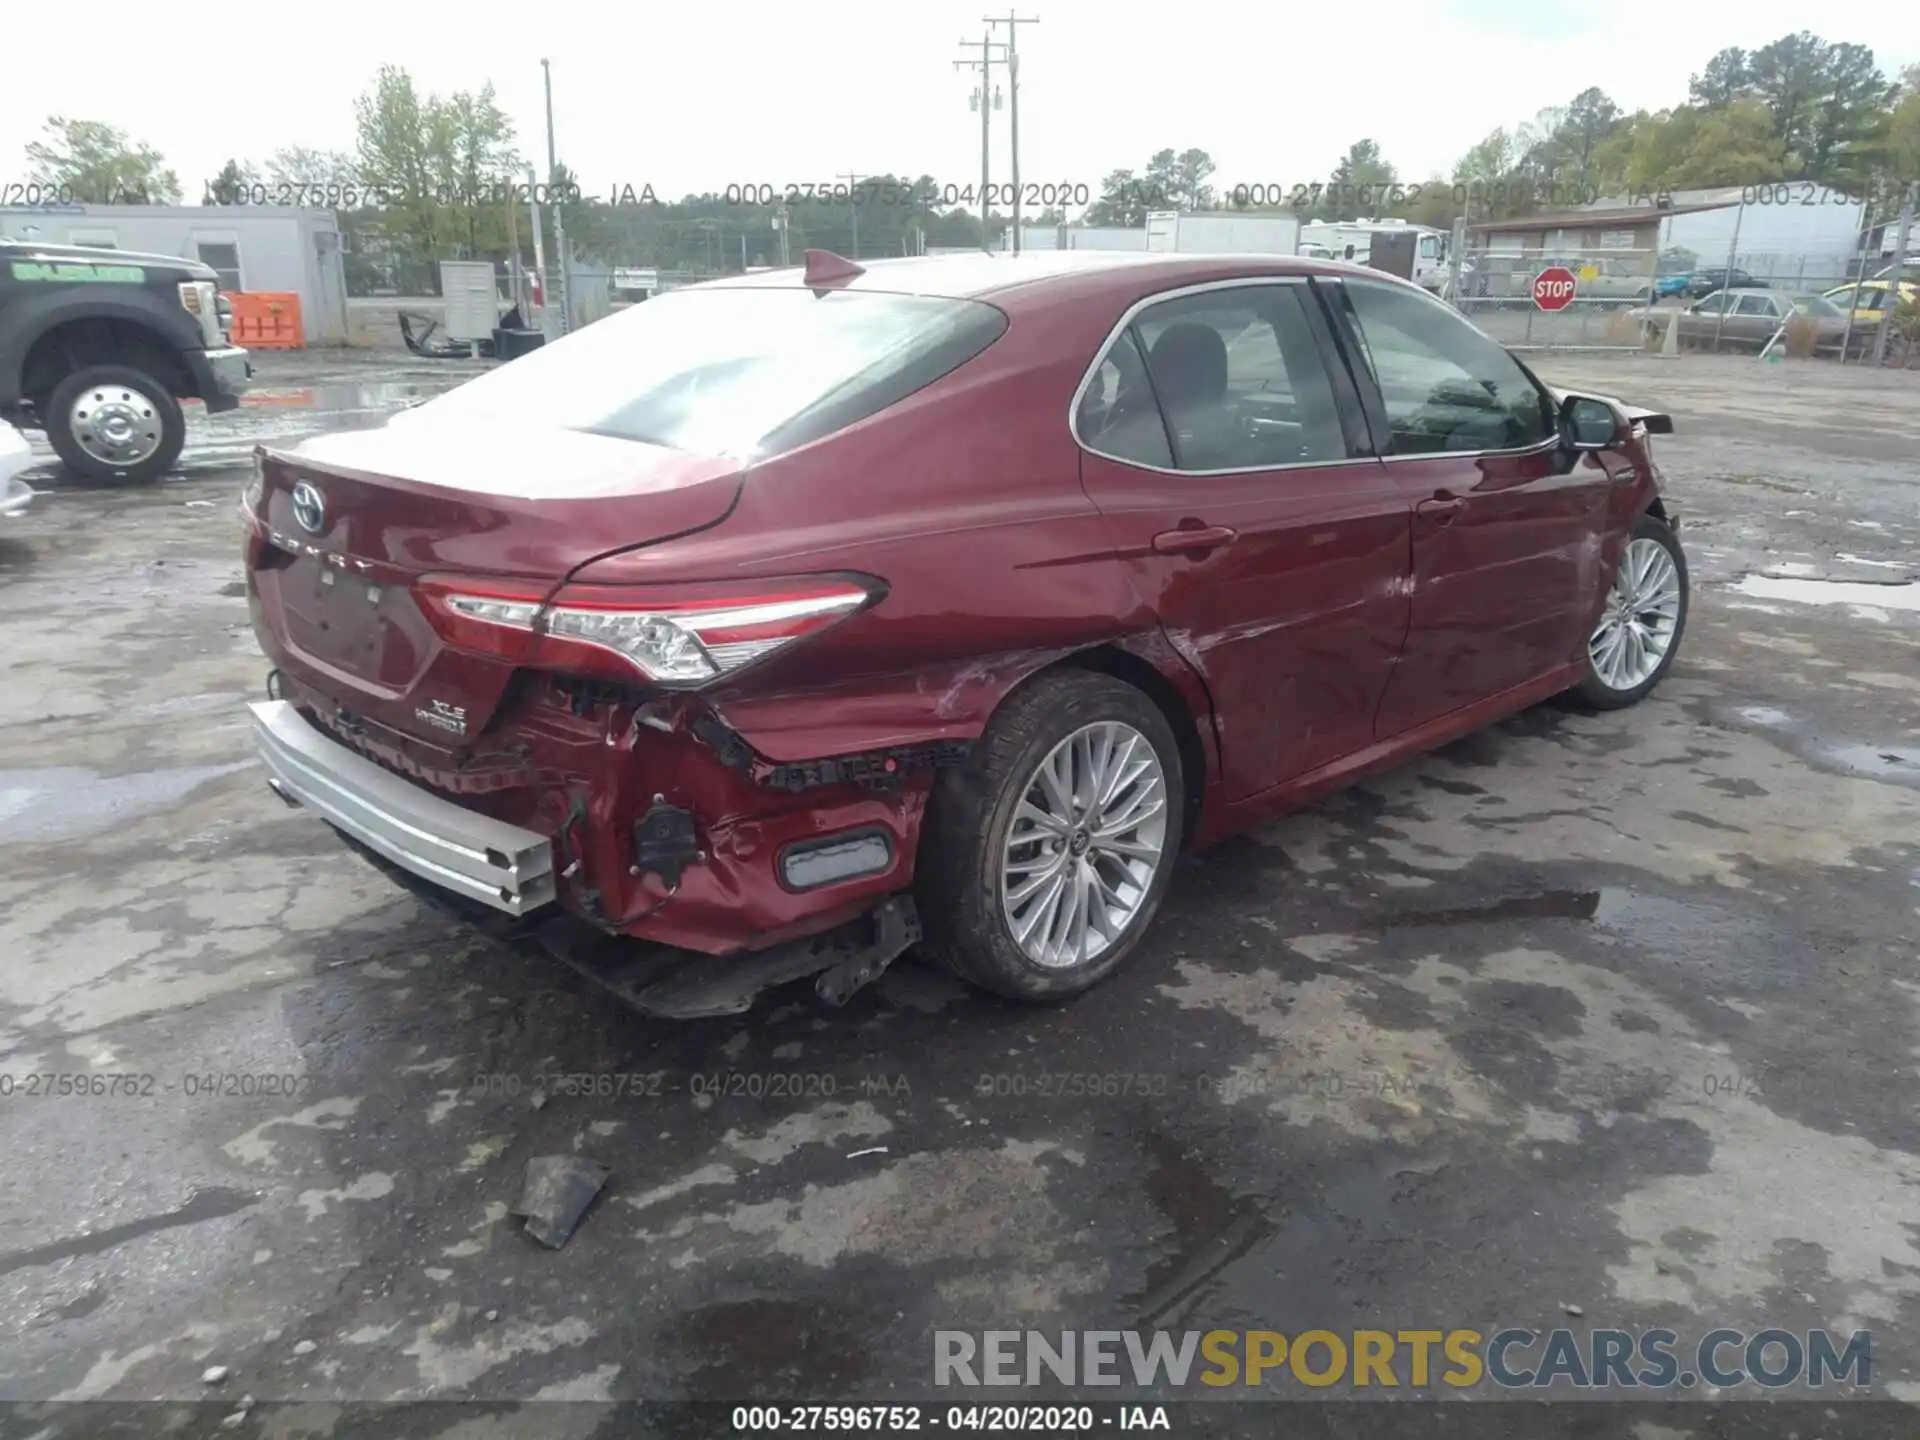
x: 442, y: 716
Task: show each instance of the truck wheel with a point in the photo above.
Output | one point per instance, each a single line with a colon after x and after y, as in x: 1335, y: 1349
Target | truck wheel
x: 1045, y: 856
x: 115, y: 424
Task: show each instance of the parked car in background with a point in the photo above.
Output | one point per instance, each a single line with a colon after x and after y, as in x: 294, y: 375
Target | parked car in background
x: 1868, y: 299
x: 1750, y: 317
x: 1677, y: 283
x: 16, y: 455
x: 1718, y: 277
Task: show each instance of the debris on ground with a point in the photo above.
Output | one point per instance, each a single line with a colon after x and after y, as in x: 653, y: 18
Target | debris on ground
x: 214, y: 1375
x: 555, y: 1193
x: 1571, y: 1309
x: 870, y: 1150
x: 304, y: 1347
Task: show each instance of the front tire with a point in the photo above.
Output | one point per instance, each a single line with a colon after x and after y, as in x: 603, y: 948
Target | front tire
x: 1045, y: 857
x: 113, y: 424
x: 1634, y: 642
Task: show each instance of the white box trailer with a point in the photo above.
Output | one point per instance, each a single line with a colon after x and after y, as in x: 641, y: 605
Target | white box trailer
x: 1202, y: 233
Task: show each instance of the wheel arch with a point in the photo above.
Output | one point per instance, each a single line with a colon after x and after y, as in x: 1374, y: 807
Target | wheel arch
x: 1131, y: 668
x: 71, y: 345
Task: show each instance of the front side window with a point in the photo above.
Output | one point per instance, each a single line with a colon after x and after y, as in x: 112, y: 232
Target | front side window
x: 1712, y: 305
x: 1240, y: 381
x: 1756, y: 305
x: 742, y: 371
x: 1817, y: 307
x: 1446, y: 386
x: 1429, y: 247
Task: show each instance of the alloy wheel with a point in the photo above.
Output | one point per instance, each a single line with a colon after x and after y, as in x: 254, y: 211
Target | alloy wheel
x: 1087, y: 840
x: 1637, y: 627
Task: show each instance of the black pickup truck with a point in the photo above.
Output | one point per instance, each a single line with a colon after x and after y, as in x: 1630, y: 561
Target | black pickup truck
x: 98, y: 347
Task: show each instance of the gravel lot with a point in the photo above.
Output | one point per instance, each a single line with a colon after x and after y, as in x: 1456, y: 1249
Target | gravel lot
x: 1611, y: 1012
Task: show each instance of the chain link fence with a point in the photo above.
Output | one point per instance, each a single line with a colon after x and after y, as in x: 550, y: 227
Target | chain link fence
x: 1495, y: 291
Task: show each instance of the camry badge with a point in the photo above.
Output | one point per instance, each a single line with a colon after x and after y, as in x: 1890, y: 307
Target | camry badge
x: 309, y: 509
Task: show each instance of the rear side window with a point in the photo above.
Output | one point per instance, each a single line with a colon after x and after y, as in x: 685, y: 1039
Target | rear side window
x: 1236, y: 383
x: 745, y: 372
x: 1446, y: 386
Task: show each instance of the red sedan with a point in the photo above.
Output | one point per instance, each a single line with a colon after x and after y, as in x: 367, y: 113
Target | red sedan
x: 948, y: 597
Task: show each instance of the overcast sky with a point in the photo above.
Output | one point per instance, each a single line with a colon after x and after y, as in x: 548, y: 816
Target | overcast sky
x: 692, y: 97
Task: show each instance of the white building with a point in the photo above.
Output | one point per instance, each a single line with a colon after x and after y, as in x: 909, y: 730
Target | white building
x: 252, y: 247
x: 1791, y: 231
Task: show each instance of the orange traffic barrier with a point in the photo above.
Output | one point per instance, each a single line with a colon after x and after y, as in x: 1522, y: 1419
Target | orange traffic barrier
x: 266, y: 319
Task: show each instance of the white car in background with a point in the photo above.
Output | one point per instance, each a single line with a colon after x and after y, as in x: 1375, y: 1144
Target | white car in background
x: 15, y: 456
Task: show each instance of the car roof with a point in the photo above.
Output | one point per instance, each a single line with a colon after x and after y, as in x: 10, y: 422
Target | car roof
x: 981, y: 276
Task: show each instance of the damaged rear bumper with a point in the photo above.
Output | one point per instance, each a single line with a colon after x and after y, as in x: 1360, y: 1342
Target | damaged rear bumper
x: 503, y: 866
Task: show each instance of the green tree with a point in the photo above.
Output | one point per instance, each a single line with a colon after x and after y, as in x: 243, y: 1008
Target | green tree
x: 1825, y: 101
x: 441, y: 172
x: 1725, y: 78
x: 328, y: 171
x: 1359, y: 184
x: 232, y: 186
x: 101, y: 165
x: 1180, y: 181
x: 1490, y: 171
x: 1122, y: 201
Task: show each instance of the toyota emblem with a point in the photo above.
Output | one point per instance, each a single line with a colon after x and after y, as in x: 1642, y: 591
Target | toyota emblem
x: 309, y: 509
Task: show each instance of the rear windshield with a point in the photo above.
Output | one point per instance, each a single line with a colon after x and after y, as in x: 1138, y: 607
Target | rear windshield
x: 743, y: 372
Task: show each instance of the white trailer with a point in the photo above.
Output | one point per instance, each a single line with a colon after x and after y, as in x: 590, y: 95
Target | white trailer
x: 1353, y: 240
x: 1222, y: 234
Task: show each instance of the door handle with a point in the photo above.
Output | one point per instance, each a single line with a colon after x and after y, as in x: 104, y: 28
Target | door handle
x: 1198, y: 537
x: 1443, y: 509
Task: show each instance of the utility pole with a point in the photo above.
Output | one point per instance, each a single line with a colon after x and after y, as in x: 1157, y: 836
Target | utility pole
x: 853, y: 207
x: 554, y: 203
x: 983, y: 102
x: 1894, y: 276
x: 1013, y: 23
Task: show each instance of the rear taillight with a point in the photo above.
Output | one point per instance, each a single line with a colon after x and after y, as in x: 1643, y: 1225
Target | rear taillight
x: 680, y: 636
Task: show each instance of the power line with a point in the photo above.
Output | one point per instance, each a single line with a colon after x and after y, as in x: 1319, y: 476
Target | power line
x: 1013, y: 23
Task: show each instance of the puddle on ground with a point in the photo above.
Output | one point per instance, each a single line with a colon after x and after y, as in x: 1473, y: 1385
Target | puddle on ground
x: 62, y: 804
x: 384, y: 395
x: 1866, y: 595
x: 1898, y: 763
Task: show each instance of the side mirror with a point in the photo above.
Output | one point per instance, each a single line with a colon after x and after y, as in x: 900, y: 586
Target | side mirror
x: 1589, y: 423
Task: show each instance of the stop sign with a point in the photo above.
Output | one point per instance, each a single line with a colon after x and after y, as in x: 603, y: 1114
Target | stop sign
x: 1553, y: 288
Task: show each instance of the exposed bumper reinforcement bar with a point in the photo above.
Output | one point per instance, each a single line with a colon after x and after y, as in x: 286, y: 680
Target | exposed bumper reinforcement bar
x: 499, y: 865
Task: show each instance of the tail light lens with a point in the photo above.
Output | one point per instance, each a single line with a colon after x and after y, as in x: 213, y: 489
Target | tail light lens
x: 685, y: 636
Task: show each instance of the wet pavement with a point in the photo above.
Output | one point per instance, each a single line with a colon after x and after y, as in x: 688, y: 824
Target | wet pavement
x: 1614, y: 1012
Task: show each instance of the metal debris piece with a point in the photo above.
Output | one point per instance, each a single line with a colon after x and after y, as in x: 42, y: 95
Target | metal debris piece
x: 214, y: 1375
x: 555, y: 1193
x: 870, y: 1150
x: 304, y: 1347
x: 1571, y: 1309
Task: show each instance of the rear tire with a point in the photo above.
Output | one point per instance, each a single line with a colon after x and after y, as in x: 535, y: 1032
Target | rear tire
x: 1045, y: 857
x: 1640, y: 626
x: 115, y: 425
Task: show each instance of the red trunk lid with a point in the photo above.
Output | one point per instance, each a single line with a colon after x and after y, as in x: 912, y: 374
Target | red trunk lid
x: 423, y: 496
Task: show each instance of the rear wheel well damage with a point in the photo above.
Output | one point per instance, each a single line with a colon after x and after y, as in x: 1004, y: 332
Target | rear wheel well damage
x: 79, y: 344
x: 1658, y: 511
x: 1125, y: 666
